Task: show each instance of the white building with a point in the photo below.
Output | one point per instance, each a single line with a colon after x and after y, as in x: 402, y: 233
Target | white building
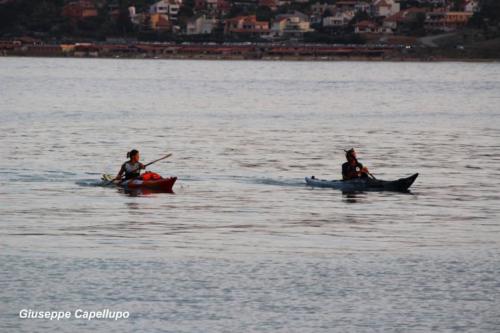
x: 362, y: 6
x: 291, y: 25
x: 166, y: 7
x: 339, y: 19
x: 471, y: 6
x: 384, y: 8
x: 200, y: 25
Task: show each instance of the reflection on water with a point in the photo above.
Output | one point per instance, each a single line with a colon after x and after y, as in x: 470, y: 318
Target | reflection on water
x: 142, y: 192
x: 244, y: 245
x: 132, y: 205
x: 350, y: 197
x: 360, y: 196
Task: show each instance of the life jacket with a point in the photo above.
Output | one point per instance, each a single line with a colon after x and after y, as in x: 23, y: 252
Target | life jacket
x: 132, y: 170
x: 350, y: 171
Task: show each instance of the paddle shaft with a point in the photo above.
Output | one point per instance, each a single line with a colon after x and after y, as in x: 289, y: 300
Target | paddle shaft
x: 161, y: 158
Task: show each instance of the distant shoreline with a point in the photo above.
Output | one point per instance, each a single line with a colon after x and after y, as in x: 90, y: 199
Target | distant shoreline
x: 267, y: 58
x: 244, y: 51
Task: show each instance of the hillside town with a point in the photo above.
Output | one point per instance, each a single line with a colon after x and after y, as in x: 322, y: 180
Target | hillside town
x: 277, y: 23
x: 85, y: 24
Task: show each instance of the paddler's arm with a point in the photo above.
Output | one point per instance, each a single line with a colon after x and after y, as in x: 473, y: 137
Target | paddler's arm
x: 120, y: 173
x: 344, y: 172
x: 362, y: 169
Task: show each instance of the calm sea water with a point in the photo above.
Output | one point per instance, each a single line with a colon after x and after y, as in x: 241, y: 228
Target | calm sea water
x: 243, y: 245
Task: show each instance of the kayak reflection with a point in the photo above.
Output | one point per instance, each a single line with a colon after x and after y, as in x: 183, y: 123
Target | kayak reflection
x: 139, y: 192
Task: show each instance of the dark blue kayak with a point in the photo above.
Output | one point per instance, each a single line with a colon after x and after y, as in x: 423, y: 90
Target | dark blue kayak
x: 364, y: 184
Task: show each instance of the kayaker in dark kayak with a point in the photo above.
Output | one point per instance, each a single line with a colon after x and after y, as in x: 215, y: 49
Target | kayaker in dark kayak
x: 352, y: 169
x: 132, y: 168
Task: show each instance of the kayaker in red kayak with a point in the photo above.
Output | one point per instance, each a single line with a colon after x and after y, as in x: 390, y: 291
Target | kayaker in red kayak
x: 352, y: 169
x: 132, y: 168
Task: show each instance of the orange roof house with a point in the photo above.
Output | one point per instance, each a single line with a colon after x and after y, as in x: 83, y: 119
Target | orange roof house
x: 272, y: 4
x: 160, y: 22
x: 366, y: 26
x: 80, y: 9
x: 446, y: 21
x: 246, y: 25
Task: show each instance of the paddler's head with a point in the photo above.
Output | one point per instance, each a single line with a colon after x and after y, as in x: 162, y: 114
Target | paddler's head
x: 133, y: 155
x: 350, y: 155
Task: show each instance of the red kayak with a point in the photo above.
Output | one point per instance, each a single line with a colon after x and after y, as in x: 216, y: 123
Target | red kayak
x: 157, y: 185
x: 149, y: 182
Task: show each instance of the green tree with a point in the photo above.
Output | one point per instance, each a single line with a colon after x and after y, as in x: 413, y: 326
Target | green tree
x: 327, y: 13
x: 264, y: 13
x: 358, y: 17
x: 124, y: 26
x: 236, y: 11
x: 490, y: 9
x: 457, y: 5
x: 188, y: 3
x: 185, y: 13
x: 416, y: 27
x: 487, y: 16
